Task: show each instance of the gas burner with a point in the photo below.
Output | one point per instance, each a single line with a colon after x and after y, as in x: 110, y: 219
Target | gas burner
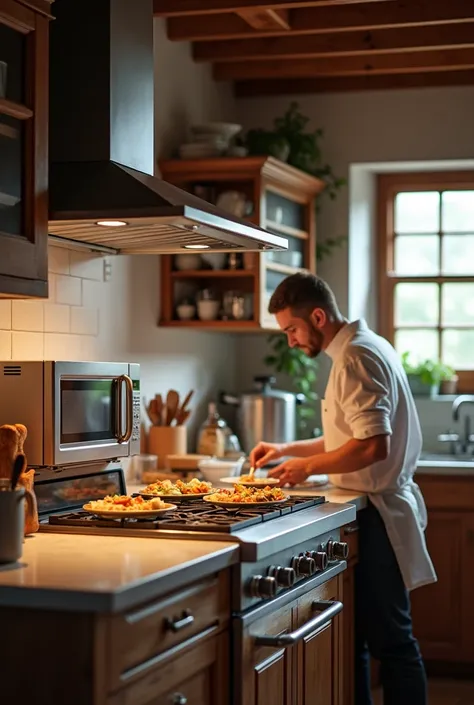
x: 196, y: 517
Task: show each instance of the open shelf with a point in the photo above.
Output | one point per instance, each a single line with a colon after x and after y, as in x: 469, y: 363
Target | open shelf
x: 15, y: 110
x: 283, y: 268
x: 231, y: 326
x: 212, y: 273
x: 286, y: 230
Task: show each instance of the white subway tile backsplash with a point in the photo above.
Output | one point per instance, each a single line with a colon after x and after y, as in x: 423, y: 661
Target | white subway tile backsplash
x: 5, y: 345
x: 28, y: 315
x: 92, y: 293
x: 27, y: 346
x: 68, y: 290
x: 86, y: 265
x: 84, y: 321
x: 5, y: 314
x: 58, y: 260
x: 58, y: 346
x: 51, y: 287
x: 56, y: 318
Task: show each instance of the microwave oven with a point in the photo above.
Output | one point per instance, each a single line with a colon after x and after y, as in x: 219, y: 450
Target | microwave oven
x: 75, y: 412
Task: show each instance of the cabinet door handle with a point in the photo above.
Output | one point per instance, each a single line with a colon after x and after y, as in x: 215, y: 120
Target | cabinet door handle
x: 176, y: 624
x: 350, y: 530
x: 327, y: 608
x: 179, y: 699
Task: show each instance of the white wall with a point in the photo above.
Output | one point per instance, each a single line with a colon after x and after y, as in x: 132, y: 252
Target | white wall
x: 86, y: 318
x: 395, y: 126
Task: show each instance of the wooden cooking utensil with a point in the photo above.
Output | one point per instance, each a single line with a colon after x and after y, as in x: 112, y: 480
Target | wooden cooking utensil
x: 154, y: 417
x: 183, y: 413
x: 172, y: 406
x: 18, y: 467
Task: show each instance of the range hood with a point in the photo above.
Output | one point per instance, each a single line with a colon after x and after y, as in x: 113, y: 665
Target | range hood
x: 101, y: 185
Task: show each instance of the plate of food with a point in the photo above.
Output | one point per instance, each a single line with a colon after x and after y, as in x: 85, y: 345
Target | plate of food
x: 250, y: 481
x: 180, y: 491
x: 242, y: 496
x: 126, y: 507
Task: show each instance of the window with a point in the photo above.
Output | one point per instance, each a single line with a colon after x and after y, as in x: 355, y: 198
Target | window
x: 426, y: 267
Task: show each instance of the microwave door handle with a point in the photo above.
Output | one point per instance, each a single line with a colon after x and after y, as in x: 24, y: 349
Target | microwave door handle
x: 121, y: 381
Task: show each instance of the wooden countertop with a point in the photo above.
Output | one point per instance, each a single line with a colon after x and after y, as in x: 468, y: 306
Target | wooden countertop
x: 106, y: 573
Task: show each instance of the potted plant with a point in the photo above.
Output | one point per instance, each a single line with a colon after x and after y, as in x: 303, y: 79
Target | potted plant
x: 426, y: 377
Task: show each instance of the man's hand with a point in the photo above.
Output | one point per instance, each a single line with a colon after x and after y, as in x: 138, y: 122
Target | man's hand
x: 291, y: 472
x: 265, y: 452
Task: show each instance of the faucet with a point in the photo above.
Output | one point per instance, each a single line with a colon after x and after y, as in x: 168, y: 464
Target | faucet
x: 457, y: 403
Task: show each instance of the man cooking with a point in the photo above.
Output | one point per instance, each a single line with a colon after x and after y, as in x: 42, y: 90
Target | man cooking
x: 371, y: 443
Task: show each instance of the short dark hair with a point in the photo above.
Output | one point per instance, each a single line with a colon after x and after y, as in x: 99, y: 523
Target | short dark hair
x: 302, y: 293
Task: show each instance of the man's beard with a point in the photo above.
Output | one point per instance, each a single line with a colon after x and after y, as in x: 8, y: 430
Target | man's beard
x: 315, y: 342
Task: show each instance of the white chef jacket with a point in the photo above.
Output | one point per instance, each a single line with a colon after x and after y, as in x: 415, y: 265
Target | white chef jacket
x: 367, y: 395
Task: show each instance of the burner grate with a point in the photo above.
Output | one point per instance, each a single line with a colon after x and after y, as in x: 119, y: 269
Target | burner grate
x: 195, y: 517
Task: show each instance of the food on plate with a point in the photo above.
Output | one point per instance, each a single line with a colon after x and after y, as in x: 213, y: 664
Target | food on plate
x: 265, y: 481
x: 166, y: 487
x: 248, y: 495
x: 125, y: 503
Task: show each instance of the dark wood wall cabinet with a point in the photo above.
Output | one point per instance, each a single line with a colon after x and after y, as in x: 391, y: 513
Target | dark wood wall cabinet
x: 268, y: 193
x: 24, y: 54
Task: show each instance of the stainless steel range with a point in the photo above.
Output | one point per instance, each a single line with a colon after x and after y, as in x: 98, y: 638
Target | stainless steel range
x: 284, y: 550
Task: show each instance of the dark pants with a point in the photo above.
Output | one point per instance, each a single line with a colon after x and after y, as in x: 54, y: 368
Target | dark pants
x: 383, y: 626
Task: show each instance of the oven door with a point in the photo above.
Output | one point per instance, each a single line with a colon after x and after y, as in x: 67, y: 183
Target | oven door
x: 95, y: 412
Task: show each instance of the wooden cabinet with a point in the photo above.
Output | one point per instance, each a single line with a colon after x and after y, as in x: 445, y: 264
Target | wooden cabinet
x: 278, y: 198
x: 171, y: 651
x: 443, y: 613
x: 308, y: 672
x: 24, y: 53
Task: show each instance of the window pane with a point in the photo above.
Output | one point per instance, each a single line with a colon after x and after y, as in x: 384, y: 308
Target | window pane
x: 458, y: 211
x: 417, y: 212
x: 458, y: 348
x: 458, y: 304
x: 417, y: 255
x: 416, y: 304
x: 421, y: 344
x: 458, y: 254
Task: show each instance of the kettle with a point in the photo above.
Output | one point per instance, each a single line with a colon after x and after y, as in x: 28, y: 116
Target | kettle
x: 264, y: 414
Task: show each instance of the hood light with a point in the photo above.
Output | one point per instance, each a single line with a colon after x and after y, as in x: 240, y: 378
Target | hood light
x: 196, y: 247
x: 111, y: 223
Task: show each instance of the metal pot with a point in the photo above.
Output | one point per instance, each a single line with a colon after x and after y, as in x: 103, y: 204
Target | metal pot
x: 264, y: 414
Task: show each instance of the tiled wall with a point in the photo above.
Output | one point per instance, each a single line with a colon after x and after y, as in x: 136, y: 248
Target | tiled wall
x: 67, y: 324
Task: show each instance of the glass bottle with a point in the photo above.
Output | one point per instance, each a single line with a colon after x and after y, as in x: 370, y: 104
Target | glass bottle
x: 212, y: 436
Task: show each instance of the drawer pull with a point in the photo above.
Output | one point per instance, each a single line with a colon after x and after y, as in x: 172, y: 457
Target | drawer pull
x: 179, y: 699
x: 350, y: 530
x: 175, y: 625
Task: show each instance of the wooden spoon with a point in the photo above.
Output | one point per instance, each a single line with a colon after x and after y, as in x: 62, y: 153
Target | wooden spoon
x: 18, y: 465
x: 172, y: 405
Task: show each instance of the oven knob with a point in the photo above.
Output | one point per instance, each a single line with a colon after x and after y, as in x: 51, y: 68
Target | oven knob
x: 285, y: 577
x: 260, y: 586
x: 337, y: 550
x: 303, y: 565
x: 320, y: 558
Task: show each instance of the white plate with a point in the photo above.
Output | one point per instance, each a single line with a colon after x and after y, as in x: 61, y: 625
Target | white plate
x: 256, y: 482
x: 243, y: 505
x: 116, y: 514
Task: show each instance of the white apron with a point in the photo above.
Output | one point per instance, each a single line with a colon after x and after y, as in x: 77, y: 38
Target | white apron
x: 402, y: 509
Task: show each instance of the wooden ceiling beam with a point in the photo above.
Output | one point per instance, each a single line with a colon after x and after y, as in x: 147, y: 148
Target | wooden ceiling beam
x: 181, y: 8
x: 406, y: 62
x: 265, y: 20
x: 247, y: 89
x: 378, y: 41
x: 318, y: 20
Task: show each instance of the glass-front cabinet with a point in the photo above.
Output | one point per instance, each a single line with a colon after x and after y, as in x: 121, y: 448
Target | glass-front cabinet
x: 23, y: 147
x: 221, y: 291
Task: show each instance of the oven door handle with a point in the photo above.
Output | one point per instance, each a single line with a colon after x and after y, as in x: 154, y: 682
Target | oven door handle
x: 124, y: 380
x: 327, y: 610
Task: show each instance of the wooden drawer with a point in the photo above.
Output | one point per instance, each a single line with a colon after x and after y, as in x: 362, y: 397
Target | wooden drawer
x: 142, y: 634
x: 350, y: 534
x: 197, y: 676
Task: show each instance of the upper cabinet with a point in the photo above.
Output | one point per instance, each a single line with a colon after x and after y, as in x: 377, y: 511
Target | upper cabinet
x: 231, y: 291
x: 24, y: 57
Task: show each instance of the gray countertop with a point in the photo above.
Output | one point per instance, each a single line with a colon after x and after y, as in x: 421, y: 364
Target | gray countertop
x: 106, y: 573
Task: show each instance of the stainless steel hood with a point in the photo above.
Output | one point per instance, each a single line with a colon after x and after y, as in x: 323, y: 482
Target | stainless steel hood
x: 102, y: 190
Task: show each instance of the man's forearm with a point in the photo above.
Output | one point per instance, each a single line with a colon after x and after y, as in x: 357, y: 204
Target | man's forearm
x: 351, y: 457
x: 305, y: 449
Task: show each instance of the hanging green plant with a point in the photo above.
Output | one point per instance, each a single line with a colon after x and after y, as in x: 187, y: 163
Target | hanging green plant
x: 289, y: 142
